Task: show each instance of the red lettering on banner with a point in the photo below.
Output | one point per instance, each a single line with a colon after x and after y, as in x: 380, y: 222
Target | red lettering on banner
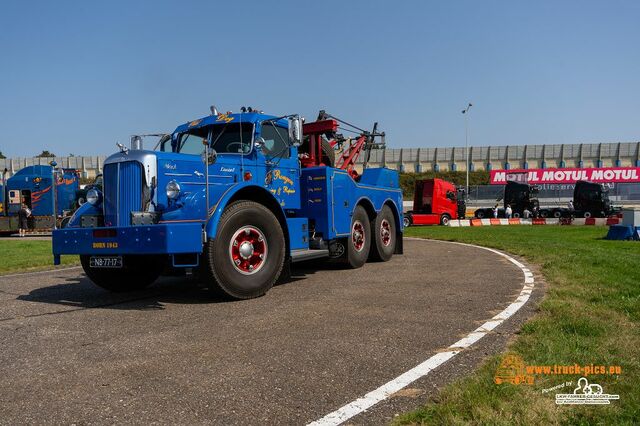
x: 541, y: 176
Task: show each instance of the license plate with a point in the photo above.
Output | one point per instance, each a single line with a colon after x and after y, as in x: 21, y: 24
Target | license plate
x: 105, y: 262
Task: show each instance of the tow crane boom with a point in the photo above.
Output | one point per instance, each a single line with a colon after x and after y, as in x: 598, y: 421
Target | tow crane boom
x: 326, y: 127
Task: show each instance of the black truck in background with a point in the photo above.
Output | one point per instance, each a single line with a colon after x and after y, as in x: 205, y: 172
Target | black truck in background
x: 589, y: 200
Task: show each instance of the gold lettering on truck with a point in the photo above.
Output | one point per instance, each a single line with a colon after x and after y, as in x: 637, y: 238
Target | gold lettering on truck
x: 107, y: 245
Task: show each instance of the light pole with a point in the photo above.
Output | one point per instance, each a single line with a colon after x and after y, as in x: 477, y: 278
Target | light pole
x: 54, y: 192
x: 465, y: 112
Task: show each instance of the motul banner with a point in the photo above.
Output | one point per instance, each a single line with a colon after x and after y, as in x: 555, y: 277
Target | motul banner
x: 541, y: 176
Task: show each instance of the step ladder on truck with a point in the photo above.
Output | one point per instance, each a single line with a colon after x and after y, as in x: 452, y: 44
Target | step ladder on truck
x: 236, y: 197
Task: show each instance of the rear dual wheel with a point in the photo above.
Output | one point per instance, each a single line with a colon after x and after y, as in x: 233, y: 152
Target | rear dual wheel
x: 385, y: 235
x: 359, y: 241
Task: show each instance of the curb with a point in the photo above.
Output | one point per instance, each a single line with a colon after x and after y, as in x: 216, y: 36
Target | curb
x: 592, y: 221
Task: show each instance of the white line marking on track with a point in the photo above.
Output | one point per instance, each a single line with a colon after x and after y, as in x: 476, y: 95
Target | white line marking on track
x: 360, y: 405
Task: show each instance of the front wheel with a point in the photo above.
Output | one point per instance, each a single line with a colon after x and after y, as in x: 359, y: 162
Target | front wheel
x: 137, y: 273
x: 406, y: 221
x: 384, y: 234
x: 445, y: 219
x: 247, y: 255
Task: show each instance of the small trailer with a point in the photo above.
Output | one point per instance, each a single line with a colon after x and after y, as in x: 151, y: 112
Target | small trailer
x: 48, y: 192
x: 236, y: 198
x: 435, y: 202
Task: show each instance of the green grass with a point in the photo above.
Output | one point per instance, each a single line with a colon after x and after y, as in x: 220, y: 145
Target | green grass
x: 21, y: 255
x: 590, y: 314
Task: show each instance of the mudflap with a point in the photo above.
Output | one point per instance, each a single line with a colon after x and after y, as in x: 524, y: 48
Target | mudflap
x: 399, y: 244
x: 285, y: 274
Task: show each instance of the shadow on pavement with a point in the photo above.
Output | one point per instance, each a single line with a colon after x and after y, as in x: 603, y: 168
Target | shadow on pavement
x: 80, y: 292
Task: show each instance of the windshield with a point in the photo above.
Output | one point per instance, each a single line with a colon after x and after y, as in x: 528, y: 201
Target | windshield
x: 225, y: 139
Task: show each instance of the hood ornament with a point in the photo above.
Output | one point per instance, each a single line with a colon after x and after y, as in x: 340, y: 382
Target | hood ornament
x: 122, y: 148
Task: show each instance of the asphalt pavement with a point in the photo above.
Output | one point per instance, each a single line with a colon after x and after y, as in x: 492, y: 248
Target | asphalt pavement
x: 73, y: 353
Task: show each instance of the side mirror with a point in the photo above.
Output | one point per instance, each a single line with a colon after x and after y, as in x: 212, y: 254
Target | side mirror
x: 295, y: 130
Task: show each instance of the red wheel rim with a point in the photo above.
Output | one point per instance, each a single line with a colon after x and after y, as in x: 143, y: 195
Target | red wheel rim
x: 248, y: 250
x: 385, y: 232
x: 357, y: 235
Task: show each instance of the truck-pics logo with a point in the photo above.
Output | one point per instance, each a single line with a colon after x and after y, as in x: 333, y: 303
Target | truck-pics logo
x: 512, y: 370
x: 586, y: 394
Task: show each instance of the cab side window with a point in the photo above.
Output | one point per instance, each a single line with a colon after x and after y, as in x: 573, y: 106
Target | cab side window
x: 275, y: 140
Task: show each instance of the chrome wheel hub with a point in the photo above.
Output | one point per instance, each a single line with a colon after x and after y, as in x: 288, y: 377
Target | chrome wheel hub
x: 385, y: 232
x: 248, y: 250
x: 357, y: 235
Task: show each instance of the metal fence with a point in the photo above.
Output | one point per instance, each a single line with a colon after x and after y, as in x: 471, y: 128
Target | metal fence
x: 90, y: 166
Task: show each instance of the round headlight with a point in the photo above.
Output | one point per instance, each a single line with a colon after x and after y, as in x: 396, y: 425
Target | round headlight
x: 173, y: 189
x: 93, y: 196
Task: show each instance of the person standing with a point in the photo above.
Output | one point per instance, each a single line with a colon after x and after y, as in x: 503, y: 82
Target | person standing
x: 495, y: 211
x: 508, y: 211
x: 23, y: 219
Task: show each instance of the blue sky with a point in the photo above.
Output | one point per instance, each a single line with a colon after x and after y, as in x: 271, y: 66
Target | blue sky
x: 75, y: 77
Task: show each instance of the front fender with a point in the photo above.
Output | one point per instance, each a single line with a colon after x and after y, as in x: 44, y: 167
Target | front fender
x: 86, y: 208
x: 216, y: 211
x: 190, y: 207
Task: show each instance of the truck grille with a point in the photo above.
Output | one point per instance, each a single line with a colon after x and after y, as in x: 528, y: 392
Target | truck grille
x: 122, y: 192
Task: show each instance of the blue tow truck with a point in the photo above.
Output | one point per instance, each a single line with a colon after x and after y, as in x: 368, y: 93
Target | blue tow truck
x: 236, y: 197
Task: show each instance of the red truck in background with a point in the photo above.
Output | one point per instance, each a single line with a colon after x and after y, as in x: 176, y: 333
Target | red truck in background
x: 435, y: 201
